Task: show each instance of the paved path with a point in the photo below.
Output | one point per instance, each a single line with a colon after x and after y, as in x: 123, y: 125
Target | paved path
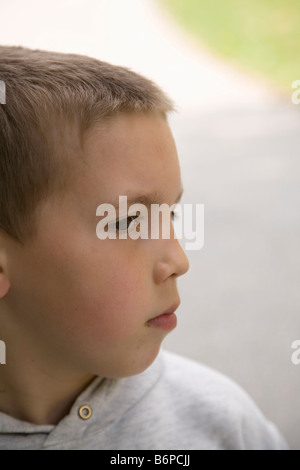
x: 239, y: 149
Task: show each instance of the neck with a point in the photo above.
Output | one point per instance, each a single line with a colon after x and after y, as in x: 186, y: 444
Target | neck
x: 36, y: 385
x: 29, y: 394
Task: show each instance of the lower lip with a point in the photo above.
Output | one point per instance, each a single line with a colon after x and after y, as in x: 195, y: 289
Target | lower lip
x: 167, y: 321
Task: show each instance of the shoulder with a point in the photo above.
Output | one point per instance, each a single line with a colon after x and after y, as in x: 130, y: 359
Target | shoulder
x: 214, y: 402
x: 205, y: 383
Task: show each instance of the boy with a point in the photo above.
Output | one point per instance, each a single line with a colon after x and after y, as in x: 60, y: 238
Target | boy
x: 83, y: 318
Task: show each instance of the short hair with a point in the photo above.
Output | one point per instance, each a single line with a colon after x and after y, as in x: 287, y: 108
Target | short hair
x: 45, y: 92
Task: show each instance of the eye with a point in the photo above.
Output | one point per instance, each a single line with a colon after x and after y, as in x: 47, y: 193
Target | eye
x: 123, y: 224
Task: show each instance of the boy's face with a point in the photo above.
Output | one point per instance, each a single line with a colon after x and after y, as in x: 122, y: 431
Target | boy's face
x: 83, y: 302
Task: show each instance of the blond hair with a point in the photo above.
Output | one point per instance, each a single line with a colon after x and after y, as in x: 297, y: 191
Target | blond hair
x: 45, y: 91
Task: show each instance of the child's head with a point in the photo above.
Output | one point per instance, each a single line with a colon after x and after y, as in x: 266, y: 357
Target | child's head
x: 74, y: 133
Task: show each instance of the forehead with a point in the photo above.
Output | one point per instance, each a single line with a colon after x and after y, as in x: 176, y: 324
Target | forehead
x: 131, y: 152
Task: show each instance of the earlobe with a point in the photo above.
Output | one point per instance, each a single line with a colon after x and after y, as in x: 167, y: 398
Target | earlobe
x: 4, y: 284
x: 4, y: 281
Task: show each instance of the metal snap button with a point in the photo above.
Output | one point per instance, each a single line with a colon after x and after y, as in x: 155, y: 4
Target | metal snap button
x: 85, y: 412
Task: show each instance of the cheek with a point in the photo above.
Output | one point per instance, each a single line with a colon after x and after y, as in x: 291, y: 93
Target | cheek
x: 110, y: 297
x: 80, y: 292
x: 117, y: 302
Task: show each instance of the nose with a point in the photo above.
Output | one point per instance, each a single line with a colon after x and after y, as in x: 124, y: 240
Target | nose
x: 172, y: 261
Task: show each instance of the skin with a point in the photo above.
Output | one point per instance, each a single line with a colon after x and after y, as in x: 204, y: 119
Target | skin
x: 73, y: 306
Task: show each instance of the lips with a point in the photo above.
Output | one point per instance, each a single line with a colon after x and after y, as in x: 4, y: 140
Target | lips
x: 166, y: 320
x: 170, y: 310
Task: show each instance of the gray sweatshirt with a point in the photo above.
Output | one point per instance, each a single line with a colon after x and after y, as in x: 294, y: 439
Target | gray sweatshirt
x: 176, y: 404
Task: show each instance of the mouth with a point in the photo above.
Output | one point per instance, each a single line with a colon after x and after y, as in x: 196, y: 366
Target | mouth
x: 166, y: 320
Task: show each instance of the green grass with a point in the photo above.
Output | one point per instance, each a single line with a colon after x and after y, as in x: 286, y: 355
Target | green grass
x: 260, y: 35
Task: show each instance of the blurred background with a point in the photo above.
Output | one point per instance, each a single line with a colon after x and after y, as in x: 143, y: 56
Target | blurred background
x: 229, y: 66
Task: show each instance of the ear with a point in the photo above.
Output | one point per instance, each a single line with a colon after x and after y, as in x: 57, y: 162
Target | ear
x: 4, y: 281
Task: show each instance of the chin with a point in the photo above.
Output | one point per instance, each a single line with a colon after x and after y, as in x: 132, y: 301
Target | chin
x: 135, y: 366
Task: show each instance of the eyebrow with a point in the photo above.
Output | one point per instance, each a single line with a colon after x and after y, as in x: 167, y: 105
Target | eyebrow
x: 145, y: 199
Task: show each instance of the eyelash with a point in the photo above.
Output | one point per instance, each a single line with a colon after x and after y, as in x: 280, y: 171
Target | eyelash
x: 174, y: 216
x: 131, y: 218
